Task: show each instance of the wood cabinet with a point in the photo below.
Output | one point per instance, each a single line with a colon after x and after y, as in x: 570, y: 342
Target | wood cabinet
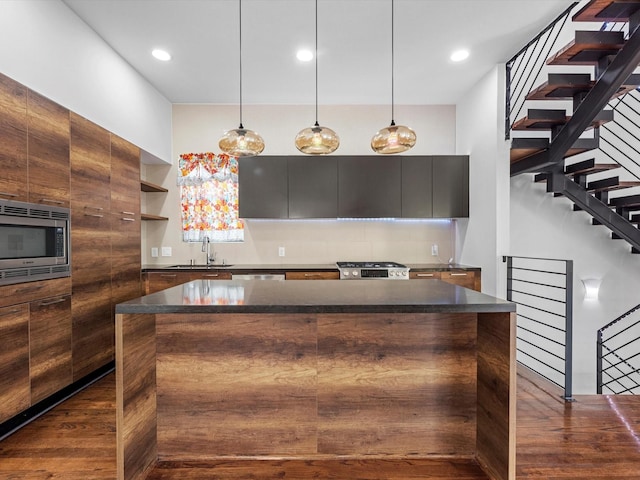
x: 313, y: 187
x: 50, y: 346
x: 125, y: 221
x: 464, y: 278
x: 417, y: 187
x: 450, y: 186
x: 93, y: 326
x: 369, y: 187
x: 312, y: 276
x: 263, y: 187
x: 48, y: 140
x: 156, y: 281
x: 14, y: 361
x: 13, y: 140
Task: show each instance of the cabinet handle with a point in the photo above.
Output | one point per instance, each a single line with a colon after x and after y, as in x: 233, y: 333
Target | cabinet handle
x: 96, y: 215
x: 94, y: 208
x: 458, y: 274
x: 52, y: 302
x: 128, y: 213
x: 125, y: 219
x: 6, y: 194
x: 49, y: 200
x: 168, y: 275
x: 211, y: 275
x: 310, y: 274
x: 424, y: 275
x: 10, y: 312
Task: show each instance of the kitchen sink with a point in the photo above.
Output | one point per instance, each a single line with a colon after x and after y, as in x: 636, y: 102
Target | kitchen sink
x: 188, y: 267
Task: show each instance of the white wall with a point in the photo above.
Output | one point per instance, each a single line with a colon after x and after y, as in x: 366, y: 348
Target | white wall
x: 544, y: 226
x: 484, y: 237
x: 197, y: 128
x: 46, y: 47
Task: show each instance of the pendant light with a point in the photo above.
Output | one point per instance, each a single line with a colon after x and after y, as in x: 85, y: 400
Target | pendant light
x: 241, y: 142
x: 317, y: 140
x: 394, y: 138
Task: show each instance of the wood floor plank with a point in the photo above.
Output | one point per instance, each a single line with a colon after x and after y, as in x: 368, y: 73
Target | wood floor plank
x: 76, y: 441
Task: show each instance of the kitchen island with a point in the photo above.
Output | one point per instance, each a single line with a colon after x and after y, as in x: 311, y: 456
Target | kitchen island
x: 214, y: 370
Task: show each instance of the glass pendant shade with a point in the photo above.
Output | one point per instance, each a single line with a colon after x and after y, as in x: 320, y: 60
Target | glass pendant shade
x: 241, y: 142
x: 317, y: 140
x: 393, y: 139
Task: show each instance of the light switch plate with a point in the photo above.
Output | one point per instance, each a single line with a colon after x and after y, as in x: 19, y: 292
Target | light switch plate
x: 154, y: 252
x: 166, y: 251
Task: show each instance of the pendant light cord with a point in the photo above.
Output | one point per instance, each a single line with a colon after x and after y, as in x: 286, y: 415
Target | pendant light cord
x: 240, y: 43
x: 316, y: 48
x: 392, y: 66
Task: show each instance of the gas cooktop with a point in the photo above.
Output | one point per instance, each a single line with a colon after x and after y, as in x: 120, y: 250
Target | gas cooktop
x: 373, y: 270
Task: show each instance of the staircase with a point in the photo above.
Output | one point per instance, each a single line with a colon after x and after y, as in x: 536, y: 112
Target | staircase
x: 558, y: 157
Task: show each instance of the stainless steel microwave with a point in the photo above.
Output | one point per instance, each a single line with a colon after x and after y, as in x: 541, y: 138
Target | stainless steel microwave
x: 34, y: 242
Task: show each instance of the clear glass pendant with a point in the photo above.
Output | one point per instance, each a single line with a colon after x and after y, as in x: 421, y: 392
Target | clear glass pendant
x: 317, y: 140
x: 393, y: 139
x: 241, y: 142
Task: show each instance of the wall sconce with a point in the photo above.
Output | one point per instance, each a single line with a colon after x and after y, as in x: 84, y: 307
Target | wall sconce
x: 591, y: 288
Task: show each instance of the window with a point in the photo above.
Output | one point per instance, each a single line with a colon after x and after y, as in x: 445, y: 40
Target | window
x: 209, y: 197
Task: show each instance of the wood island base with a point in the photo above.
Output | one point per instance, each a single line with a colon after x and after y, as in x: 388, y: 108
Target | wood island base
x: 205, y: 387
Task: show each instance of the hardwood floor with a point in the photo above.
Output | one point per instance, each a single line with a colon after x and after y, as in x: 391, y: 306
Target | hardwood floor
x: 596, y: 437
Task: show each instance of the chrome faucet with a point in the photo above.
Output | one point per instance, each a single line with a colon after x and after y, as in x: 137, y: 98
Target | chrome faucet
x: 210, y: 259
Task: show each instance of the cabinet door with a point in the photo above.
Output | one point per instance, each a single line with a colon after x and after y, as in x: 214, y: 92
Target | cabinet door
x: 125, y: 221
x: 369, y: 187
x: 450, y: 186
x: 50, y: 346
x: 462, y: 278
x: 14, y: 360
x: 263, y: 187
x: 13, y: 140
x: 48, y: 151
x: 312, y: 275
x: 93, y: 324
x: 417, y: 188
x: 424, y: 275
x: 313, y: 187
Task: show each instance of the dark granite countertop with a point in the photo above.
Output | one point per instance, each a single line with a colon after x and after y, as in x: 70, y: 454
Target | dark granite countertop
x: 328, y: 296
x: 282, y: 268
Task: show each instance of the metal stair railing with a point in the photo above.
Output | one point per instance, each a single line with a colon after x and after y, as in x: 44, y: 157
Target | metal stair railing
x: 542, y: 288
x: 618, y: 355
x: 523, y: 69
x: 620, y: 138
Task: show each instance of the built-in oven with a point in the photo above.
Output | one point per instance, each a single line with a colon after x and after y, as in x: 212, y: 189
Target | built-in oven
x: 34, y: 242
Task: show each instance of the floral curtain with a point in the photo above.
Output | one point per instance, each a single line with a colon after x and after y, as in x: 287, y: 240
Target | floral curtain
x: 209, y: 197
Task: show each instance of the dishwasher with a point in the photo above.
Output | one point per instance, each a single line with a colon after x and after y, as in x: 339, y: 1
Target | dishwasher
x: 258, y: 276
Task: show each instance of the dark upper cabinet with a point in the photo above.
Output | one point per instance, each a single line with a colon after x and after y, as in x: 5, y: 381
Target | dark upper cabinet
x: 263, y: 187
x: 417, y: 188
x: 313, y: 187
x: 451, y: 186
x: 369, y: 187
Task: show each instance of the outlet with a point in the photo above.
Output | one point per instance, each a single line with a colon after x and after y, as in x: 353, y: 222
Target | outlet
x: 281, y: 251
x: 154, y: 252
x: 166, y: 251
x: 434, y: 250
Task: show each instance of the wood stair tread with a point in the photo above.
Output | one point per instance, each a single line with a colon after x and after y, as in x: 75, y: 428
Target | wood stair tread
x: 541, y: 120
x: 588, y: 48
x: 566, y: 86
x: 522, y: 148
x: 632, y: 201
x: 588, y: 167
x: 610, y: 184
x: 607, y: 11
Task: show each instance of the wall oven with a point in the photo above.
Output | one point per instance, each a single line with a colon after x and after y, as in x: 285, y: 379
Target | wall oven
x: 34, y: 242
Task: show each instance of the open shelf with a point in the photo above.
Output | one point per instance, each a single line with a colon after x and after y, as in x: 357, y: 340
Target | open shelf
x: 146, y: 216
x: 151, y: 187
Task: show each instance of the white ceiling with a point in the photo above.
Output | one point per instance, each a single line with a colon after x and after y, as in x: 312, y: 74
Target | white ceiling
x: 354, y: 46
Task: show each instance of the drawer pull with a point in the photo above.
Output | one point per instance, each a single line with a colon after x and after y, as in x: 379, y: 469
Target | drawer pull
x: 52, y: 302
x: 128, y: 213
x: 126, y: 219
x: 211, y: 275
x: 94, y: 208
x: 168, y: 275
x: 310, y: 274
x: 458, y: 274
x: 10, y: 312
x: 424, y: 275
x: 6, y: 194
x: 49, y: 200
x: 96, y: 215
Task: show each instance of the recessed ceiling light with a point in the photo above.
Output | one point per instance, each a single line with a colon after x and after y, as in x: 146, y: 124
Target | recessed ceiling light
x: 161, y: 55
x: 304, y: 55
x: 459, y: 55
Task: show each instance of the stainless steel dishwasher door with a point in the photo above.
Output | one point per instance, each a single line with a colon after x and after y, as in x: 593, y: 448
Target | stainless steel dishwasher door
x: 274, y: 276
